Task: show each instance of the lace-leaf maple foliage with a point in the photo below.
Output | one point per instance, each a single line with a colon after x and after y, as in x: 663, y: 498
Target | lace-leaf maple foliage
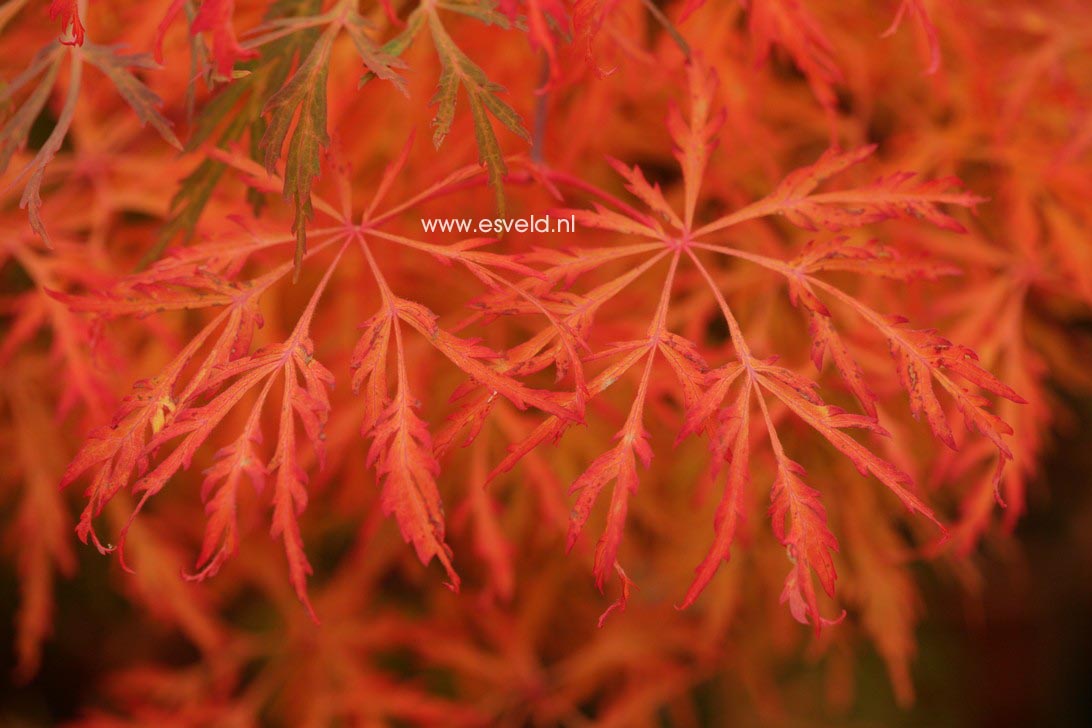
x: 257, y: 328
x: 920, y: 356
x: 402, y: 445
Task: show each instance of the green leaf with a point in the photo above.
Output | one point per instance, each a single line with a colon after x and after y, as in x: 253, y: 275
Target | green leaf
x: 143, y: 100
x: 397, y: 45
x: 378, y: 62
x: 489, y: 151
x: 483, y: 11
x: 14, y: 133
x: 305, y: 93
x: 234, y: 110
x: 458, y: 70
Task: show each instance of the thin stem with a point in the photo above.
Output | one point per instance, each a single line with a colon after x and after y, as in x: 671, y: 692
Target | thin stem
x: 668, y: 26
x: 775, y: 441
x: 656, y: 331
x: 465, y: 178
x: 762, y: 208
x: 377, y: 273
x: 738, y: 342
x: 762, y: 260
x: 304, y: 324
x: 261, y: 284
x: 538, y: 137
